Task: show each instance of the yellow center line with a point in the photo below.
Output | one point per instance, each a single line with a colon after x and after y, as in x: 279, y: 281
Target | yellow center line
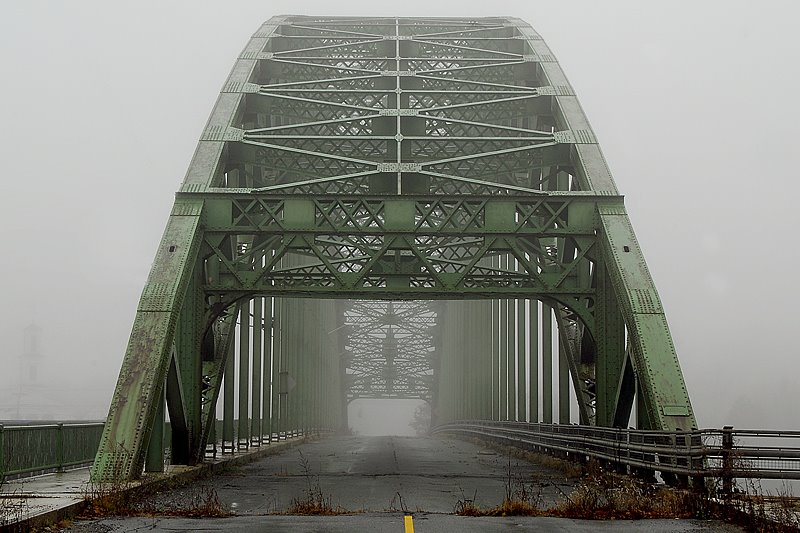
x: 409, y: 522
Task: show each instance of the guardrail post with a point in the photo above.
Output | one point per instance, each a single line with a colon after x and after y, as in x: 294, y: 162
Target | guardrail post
x: 622, y: 437
x: 628, y: 465
x: 727, y: 460
x: 698, y: 462
x: 2, y: 454
x: 669, y: 477
x: 647, y: 473
x: 60, y: 448
x: 682, y: 480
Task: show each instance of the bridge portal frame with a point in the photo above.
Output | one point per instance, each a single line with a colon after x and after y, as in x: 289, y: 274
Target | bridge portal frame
x: 391, y: 158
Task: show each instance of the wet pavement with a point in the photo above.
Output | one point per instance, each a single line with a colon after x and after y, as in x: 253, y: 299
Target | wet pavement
x: 360, y: 474
x: 21, y: 499
x: 377, y: 482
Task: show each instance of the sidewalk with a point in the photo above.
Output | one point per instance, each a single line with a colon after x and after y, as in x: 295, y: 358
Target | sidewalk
x: 50, y: 498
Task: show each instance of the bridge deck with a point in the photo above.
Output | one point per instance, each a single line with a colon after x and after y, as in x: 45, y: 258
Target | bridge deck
x: 365, y: 475
x: 373, y: 473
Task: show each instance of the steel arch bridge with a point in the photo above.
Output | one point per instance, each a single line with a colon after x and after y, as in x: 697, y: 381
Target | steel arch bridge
x: 443, y: 165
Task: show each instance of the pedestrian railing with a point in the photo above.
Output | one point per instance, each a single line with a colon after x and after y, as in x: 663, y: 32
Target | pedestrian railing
x: 33, y: 449
x: 725, y: 453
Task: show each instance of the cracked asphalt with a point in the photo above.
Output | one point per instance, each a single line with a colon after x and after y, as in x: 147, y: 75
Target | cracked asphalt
x: 378, y: 480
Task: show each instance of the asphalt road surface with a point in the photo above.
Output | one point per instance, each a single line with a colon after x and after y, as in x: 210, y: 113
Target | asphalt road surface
x: 379, y: 481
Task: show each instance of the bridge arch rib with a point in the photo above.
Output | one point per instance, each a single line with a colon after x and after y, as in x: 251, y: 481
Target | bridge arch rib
x: 386, y: 159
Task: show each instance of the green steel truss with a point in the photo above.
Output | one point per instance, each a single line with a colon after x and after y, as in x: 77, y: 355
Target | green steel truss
x: 391, y: 159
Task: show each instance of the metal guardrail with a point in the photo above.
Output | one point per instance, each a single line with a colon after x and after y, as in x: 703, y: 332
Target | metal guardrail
x: 721, y: 453
x: 724, y: 453
x: 33, y: 449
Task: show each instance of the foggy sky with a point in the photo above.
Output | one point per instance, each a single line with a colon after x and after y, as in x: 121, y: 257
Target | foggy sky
x: 695, y: 105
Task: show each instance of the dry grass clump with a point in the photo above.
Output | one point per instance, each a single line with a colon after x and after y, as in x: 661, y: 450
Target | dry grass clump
x: 507, y: 508
x: 600, y: 495
x: 515, y: 508
x: 107, y: 498
x: 203, y: 503
x: 758, y: 510
x: 13, y: 508
x: 467, y: 507
x: 603, y: 495
x: 200, y: 502
x: 314, y: 501
x: 116, y: 496
x: 521, y: 499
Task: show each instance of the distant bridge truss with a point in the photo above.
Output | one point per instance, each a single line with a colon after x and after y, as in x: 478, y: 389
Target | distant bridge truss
x: 390, y: 349
x: 433, y: 163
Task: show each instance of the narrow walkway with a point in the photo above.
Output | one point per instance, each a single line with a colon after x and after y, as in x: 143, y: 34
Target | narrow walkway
x: 48, y: 498
x: 21, y: 499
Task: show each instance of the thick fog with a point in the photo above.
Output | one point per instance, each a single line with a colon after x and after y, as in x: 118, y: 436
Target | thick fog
x: 695, y: 105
